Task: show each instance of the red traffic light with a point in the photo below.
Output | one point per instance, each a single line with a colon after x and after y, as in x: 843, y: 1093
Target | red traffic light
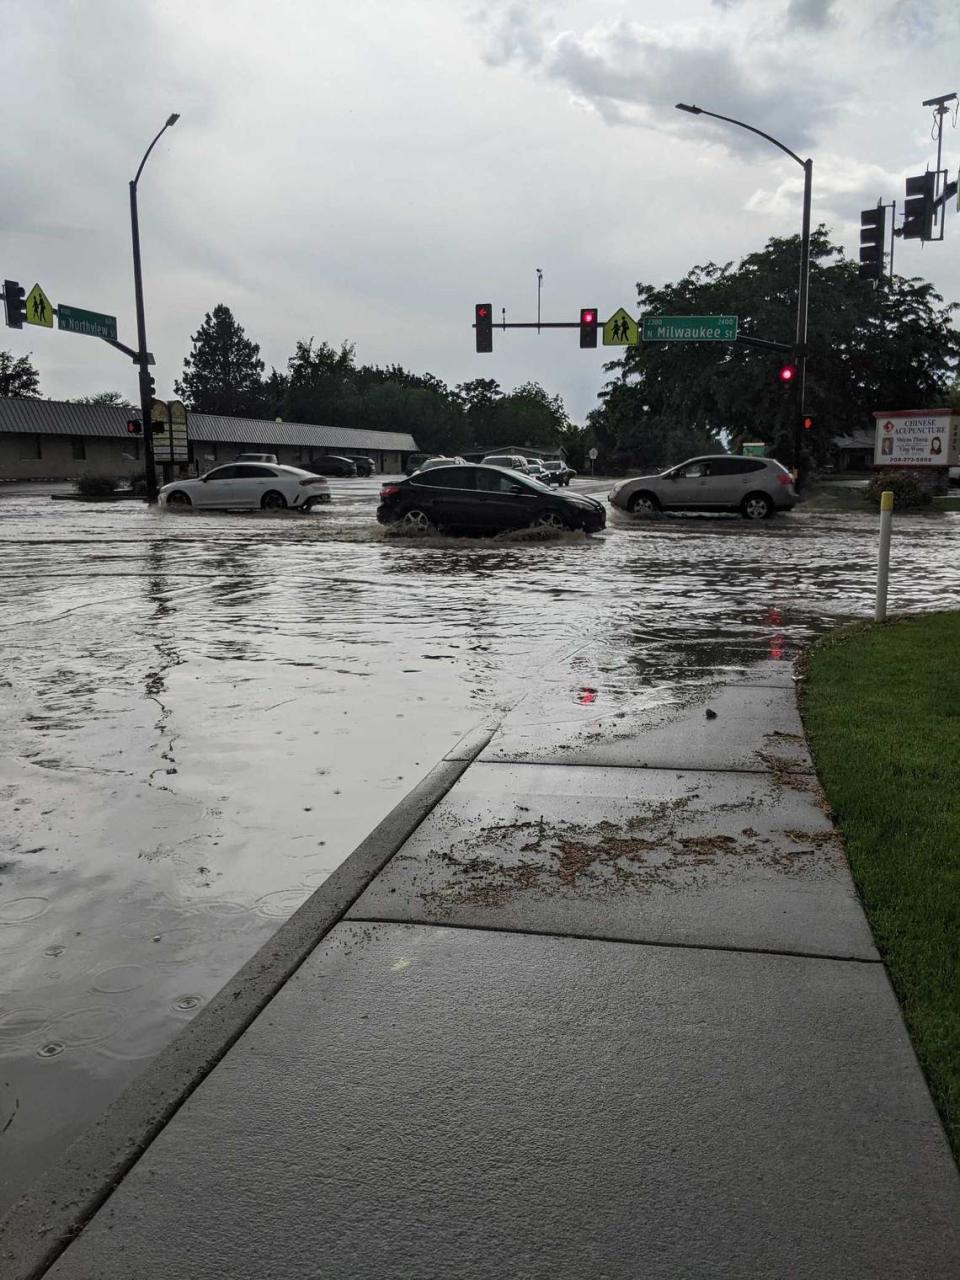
x: 808, y: 423
x: 588, y: 326
x: 482, y: 313
x: 133, y: 427
x: 787, y: 373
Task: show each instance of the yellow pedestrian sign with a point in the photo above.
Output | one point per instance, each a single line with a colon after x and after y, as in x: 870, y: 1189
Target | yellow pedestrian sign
x: 39, y: 310
x: 621, y: 330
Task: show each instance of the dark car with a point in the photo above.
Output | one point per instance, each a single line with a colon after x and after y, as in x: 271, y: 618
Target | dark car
x: 331, y: 464
x: 365, y: 466
x: 480, y: 497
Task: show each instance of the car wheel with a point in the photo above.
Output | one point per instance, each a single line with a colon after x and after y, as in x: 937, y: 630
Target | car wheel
x: 756, y: 506
x: 178, y: 499
x: 416, y: 520
x: 549, y: 520
x: 643, y: 504
x: 273, y: 501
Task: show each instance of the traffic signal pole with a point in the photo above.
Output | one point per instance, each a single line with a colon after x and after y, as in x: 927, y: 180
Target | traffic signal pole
x: 804, y: 289
x: 146, y: 398
x: 803, y: 305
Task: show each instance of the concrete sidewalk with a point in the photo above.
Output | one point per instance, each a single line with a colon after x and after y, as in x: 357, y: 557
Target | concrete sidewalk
x: 610, y: 1009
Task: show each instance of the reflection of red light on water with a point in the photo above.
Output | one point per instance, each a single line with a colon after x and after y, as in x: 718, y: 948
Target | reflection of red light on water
x: 776, y: 646
x: 774, y: 617
x: 587, y: 695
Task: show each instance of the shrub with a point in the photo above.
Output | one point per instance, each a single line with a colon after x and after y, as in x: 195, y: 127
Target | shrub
x: 97, y: 486
x: 906, y: 489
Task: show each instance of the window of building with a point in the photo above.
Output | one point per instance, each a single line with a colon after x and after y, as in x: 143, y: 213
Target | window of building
x: 30, y: 448
x: 78, y: 448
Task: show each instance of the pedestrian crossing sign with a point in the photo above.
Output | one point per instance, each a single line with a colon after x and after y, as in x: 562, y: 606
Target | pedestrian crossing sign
x: 38, y: 308
x: 621, y: 330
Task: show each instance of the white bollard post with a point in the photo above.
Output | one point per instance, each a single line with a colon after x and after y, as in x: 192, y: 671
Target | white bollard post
x: 883, y: 565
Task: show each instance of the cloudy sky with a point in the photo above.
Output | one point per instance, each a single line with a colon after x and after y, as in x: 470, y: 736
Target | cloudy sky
x: 369, y: 169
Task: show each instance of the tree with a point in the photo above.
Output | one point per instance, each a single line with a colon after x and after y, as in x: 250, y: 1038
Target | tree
x: 19, y: 380
x: 112, y: 398
x: 222, y: 372
x: 528, y: 415
x: 321, y: 385
x: 868, y: 349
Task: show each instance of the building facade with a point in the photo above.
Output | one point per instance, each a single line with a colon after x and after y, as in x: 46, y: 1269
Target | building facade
x: 56, y: 440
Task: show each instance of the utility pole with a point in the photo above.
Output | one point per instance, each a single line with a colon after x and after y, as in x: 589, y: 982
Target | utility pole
x: 146, y: 379
x: 539, y: 287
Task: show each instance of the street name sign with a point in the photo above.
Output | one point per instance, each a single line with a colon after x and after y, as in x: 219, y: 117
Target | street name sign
x: 92, y: 323
x: 38, y: 308
x: 689, y: 328
x: 621, y: 330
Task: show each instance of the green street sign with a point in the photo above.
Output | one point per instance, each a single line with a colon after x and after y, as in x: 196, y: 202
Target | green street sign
x: 92, y: 323
x: 689, y: 328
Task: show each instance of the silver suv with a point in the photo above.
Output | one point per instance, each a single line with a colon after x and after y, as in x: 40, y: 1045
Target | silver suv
x: 756, y: 487
x: 512, y: 461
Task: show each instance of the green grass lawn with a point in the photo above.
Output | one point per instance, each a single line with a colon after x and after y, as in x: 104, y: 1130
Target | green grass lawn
x: 882, y: 710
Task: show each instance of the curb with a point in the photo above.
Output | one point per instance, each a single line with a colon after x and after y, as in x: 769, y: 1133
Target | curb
x: 45, y: 1219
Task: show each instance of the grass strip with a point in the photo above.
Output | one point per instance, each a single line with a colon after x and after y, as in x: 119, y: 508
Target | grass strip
x: 882, y: 711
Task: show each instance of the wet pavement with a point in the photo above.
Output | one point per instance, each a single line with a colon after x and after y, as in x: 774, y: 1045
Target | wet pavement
x: 205, y: 713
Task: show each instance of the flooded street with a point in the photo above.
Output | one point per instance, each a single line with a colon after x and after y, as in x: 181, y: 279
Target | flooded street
x: 204, y: 714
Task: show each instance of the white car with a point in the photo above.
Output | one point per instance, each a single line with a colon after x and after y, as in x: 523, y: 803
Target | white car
x: 440, y: 461
x: 240, y: 486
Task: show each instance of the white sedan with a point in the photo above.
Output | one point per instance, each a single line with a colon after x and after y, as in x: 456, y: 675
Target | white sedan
x: 241, y: 486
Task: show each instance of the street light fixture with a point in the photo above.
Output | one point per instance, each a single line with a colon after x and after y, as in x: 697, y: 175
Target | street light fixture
x: 146, y: 391
x: 803, y: 293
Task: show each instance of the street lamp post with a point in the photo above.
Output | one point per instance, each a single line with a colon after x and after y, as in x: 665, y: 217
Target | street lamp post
x: 539, y: 287
x: 803, y: 293
x: 142, y: 353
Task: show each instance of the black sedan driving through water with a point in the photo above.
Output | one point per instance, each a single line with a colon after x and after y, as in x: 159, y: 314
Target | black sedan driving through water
x: 480, y: 498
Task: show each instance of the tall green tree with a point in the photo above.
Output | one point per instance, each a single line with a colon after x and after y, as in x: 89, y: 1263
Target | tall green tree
x: 321, y: 385
x: 868, y: 349
x: 223, y: 370
x: 19, y: 380
x: 528, y: 415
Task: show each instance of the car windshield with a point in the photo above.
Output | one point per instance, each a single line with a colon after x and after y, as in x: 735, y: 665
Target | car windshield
x: 553, y: 466
x: 530, y: 481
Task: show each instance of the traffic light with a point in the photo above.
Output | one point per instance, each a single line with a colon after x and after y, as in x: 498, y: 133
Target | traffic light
x: 13, y: 294
x: 807, y: 422
x: 148, y: 387
x: 918, y: 207
x: 786, y: 374
x: 873, y: 233
x: 483, y: 315
x: 134, y: 427
x: 588, y: 326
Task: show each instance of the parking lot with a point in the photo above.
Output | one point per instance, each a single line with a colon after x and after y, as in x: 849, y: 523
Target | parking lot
x: 205, y: 713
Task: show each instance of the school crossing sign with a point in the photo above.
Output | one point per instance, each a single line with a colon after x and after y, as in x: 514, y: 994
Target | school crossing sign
x: 621, y: 330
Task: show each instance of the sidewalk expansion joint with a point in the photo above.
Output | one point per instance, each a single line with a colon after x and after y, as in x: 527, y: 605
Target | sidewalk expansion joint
x: 470, y: 926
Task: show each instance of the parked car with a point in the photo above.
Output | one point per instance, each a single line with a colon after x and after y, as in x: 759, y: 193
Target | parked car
x: 557, y: 472
x: 240, y: 486
x: 441, y: 461
x: 536, y: 469
x: 476, y: 496
x: 365, y: 466
x: 331, y: 464
x: 256, y: 457
x: 511, y: 460
x: 414, y: 462
x: 756, y: 487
